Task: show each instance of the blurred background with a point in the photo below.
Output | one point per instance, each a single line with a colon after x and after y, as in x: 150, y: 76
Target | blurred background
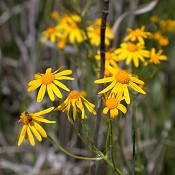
x: 22, y: 54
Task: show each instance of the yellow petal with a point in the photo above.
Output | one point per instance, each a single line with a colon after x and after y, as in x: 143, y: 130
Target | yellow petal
x: 30, y: 136
x: 65, y: 72
x: 108, y: 88
x: 22, y: 134
x: 50, y: 92
x: 104, y: 80
x: 43, y: 120
x: 40, y: 129
x: 56, y: 91
x: 61, y: 85
x: 43, y: 111
x: 64, y: 78
x: 113, y: 113
x: 136, y: 80
x: 126, y: 94
x: 35, y: 132
x: 122, y: 108
x: 105, y: 110
x: 136, y: 88
x: 48, y: 70
x: 41, y: 93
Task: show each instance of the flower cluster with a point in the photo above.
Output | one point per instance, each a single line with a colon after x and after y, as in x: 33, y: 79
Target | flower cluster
x: 69, y: 29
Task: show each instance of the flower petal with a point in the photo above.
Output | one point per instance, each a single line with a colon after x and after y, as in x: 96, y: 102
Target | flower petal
x: 122, y: 108
x: 22, y: 135
x: 61, y: 85
x: 43, y: 111
x: 30, y: 136
x: 40, y: 129
x: 50, y: 92
x: 43, y: 120
x: 41, y: 93
x: 35, y: 132
x: 56, y: 91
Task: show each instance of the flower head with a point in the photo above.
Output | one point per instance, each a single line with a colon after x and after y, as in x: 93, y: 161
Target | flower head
x: 119, y: 82
x: 51, y: 33
x: 93, y: 31
x: 31, y: 126
x: 131, y: 51
x: 77, y: 102
x: 137, y: 34
x: 163, y: 41
x: 49, y: 81
x: 155, y: 58
x: 168, y: 25
x: 112, y: 105
x: 153, y: 19
x: 69, y: 25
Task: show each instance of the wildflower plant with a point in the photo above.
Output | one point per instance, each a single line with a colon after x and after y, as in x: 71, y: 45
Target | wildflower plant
x: 117, y: 82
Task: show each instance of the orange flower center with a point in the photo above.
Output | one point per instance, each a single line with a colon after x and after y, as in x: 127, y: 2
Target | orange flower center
x: 122, y: 77
x: 97, y: 31
x: 61, y: 44
x: 74, y: 94
x: 155, y: 58
x: 73, y: 26
x: 132, y: 47
x: 108, y: 56
x: 111, y: 103
x: 51, y: 30
x: 136, y: 33
x: 47, y: 78
x: 26, y: 118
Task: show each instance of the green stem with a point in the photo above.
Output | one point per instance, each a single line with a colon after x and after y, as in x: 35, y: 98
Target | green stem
x: 107, y: 139
x: 111, y: 148
x: 71, y: 154
x: 98, y: 152
x: 80, y: 136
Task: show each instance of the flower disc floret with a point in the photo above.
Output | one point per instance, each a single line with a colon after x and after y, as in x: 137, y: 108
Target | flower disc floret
x: 132, y: 47
x: 47, y: 78
x: 111, y: 103
x: 122, y: 77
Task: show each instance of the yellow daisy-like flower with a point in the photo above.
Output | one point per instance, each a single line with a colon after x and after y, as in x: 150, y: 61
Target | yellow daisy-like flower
x: 32, y: 127
x: 54, y: 15
x: 110, y: 58
x: 49, y: 81
x: 168, y: 25
x: 156, y: 57
x: 94, y: 33
x: 131, y: 51
x: 119, y: 82
x: 77, y: 102
x: 163, y: 41
x: 113, y: 104
x: 157, y: 35
x: 51, y: 33
x: 137, y: 34
x: 153, y: 19
x: 69, y: 25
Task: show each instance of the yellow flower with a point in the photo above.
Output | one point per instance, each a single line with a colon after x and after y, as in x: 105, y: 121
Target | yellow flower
x: 119, y: 82
x: 94, y: 33
x: 131, y: 51
x: 31, y: 126
x: 137, y: 34
x: 113, y: 104
x: 69, y: 25
x: 163, y: 41
x: 168, y: 25
x: 156, y: 57
x: 49, y: 81
x: 153, y: 19
x: 110, y: 58
x: 51, y: 33
x: 77, y: 102
x: 62, y: 43
x: 157, y: 35
x: 54, y: 15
